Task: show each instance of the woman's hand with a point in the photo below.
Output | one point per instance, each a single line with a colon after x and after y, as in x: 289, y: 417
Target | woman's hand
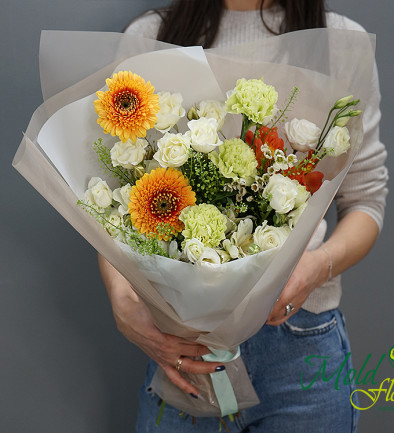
x: 135, y: 322
x: 311, y: 271
x: 350, y: 241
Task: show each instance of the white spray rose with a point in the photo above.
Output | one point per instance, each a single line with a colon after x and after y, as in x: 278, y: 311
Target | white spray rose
x: 128, y: 154
x: 302, y: 134
x: 203, y: 134
x: 268, y: 237
x: 193, y: 249
x: 173, y: 150
x: 170, y: 112
x: 212, y: 110
x: 337, y: 141
x: 98, y: 193
x: 281, y: 192
x: 122, y: 196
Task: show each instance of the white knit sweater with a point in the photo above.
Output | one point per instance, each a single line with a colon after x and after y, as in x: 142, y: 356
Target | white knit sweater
x: 364, y: 188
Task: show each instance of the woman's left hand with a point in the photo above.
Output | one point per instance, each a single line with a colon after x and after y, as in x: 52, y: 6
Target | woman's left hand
x: 311, y: 271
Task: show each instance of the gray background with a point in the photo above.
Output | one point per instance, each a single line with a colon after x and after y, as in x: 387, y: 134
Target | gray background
x: 63, y: 365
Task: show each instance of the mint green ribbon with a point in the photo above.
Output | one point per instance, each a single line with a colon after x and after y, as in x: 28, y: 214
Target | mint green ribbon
x: 220, y: 381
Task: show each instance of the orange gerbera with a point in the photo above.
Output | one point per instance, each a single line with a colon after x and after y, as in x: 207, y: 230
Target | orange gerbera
x: 158, y: 198
x: 128, y: 108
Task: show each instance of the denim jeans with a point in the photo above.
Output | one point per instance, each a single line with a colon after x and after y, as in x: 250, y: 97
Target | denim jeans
x: 275, y: 359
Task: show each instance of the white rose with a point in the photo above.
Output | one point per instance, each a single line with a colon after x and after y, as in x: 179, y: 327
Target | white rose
x: 98, y: 193
x: 170, y: 112
x: 268, y: 237
x: 337, y: 141
x: 281, y: 192
x: 128, y: 154
x: 302, y: 134
x: 122, y: 196
x: 173, y: 150
x: 193, y: 249
x: 213, y: 110
x: 203, y: 134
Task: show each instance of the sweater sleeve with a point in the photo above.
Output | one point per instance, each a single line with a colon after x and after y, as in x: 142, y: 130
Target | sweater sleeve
x: 364, y: 188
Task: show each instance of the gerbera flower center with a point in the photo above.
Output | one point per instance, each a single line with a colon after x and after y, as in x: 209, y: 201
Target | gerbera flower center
x: 163, y: 204
x: 126, y: 101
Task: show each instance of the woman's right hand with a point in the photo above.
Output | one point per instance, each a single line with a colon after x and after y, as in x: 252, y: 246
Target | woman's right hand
x: 136, y: 323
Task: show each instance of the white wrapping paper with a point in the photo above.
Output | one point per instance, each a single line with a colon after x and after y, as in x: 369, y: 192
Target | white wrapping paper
x: 218, y: 306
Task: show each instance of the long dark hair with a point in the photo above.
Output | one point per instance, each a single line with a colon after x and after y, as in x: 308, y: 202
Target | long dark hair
x: 192, y: 22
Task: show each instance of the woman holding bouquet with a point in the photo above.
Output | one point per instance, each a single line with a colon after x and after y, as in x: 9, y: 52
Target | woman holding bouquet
x: 305, y: 320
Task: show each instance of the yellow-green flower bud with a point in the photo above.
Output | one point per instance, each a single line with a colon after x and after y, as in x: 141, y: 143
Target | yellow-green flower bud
x: 343, y: 101
x: 192, y: 114
x: 342, y: 121
x: 354, y: 113
x: 253, y: 249
x: 139, y: 171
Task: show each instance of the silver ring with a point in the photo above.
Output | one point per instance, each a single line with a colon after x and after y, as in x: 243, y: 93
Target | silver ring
x: 178, y: 364
x: 289, y: 308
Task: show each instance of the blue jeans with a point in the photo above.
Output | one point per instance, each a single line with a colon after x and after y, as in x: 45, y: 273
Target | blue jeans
x: 275, y: 359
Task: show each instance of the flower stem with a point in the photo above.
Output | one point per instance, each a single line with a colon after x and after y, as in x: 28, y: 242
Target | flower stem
x: 246, y: 124
x: 158, y: 419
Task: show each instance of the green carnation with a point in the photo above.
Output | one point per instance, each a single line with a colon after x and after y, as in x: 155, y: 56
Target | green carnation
x: 253, y: 98
x: 204, y: 222
x: 235, y: 160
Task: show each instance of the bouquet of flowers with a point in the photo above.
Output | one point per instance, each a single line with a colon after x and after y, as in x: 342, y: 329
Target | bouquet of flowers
x: 191, y: 196
x: 196, y: 191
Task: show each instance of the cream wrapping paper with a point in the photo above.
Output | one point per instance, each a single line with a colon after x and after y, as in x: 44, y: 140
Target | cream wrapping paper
x: 56, y: 157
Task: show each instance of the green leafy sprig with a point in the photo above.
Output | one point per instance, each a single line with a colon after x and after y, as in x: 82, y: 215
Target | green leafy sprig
x: 104, y: 155
x: 144, y: 245
x: 280, y: 116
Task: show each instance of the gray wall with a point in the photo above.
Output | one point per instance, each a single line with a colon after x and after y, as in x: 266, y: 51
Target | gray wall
x: 63, y: 365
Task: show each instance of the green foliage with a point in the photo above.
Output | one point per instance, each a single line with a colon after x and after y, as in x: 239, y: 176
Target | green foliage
x: 144, y: 245
x: 261, y: 209
x: 204, y: 178
x: 280, y: 116
x: 166, y: 231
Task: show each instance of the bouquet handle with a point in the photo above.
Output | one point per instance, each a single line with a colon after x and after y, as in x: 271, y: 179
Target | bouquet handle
x: 209, y: 404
